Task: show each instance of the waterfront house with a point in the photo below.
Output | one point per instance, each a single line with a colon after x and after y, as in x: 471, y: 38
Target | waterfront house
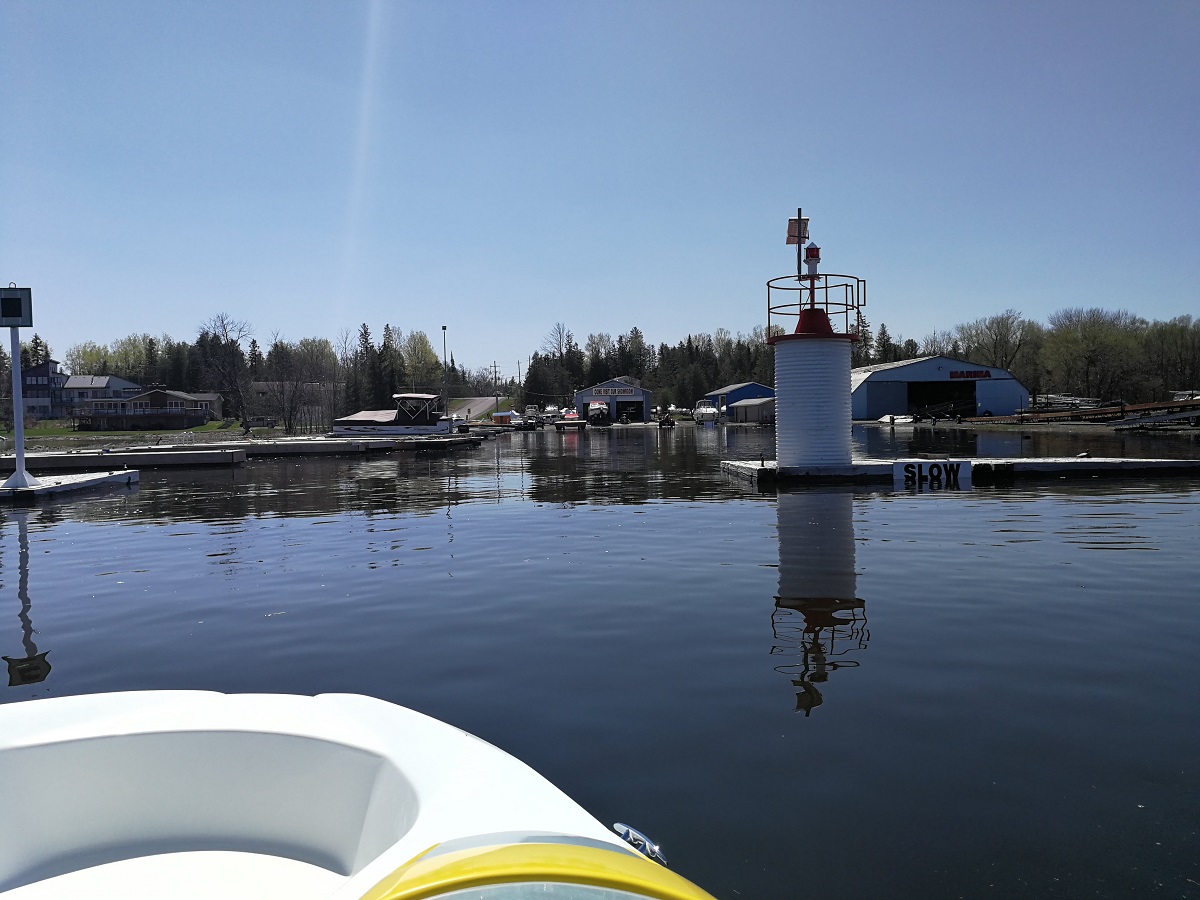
x: 80, y: 390
x: 42, y: 390
x: 212, y: 402
x: 152, y: 410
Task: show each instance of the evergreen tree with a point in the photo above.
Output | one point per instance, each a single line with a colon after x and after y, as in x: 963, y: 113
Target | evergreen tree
x: 885, y: 350
x: 862, y: 353
x: 371, y: 391
x: 391, y: 362
x: 152, y: 366
x: 254, y: 359
x: 34, y: 353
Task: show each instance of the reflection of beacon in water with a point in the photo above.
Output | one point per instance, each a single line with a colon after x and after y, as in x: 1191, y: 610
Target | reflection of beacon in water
x: 817, y: 615
x: 33, y: 667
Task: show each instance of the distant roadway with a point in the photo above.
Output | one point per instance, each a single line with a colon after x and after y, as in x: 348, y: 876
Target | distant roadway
x: 473, y: 407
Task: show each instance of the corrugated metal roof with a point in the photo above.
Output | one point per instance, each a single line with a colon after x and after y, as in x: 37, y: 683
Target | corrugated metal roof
x: 753, y: 401
x: 881, y: 367
x: 730, y: 388
x: 86, y: 382
x: 180, y: 394
x: 862, y: 373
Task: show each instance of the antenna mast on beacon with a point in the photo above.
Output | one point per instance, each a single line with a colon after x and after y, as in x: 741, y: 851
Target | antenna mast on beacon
x: 812, y: 357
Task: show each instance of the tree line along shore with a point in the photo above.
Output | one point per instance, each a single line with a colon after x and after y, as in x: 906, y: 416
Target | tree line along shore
x: 1109, y: 355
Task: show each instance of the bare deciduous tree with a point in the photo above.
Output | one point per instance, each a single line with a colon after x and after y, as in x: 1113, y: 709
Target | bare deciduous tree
x: 227, y: 360
x: 554, y: 344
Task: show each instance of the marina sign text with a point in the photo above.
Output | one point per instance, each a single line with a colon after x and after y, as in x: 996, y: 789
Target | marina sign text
x: 943, y: 473
x: 971, y: 373
x: 613, y: 392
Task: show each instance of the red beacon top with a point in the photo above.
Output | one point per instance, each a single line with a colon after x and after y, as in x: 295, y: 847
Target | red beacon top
x: 811, y: 297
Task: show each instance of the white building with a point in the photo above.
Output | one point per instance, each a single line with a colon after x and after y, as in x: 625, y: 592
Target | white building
x: 935, y: 386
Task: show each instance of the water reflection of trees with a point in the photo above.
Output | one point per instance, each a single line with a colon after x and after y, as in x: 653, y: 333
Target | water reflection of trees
x: 817, y: 617
x: 890, y: 442
x: 288, y: 487
x: 629, y: 465
x: 883, y: 442
x: 615, y: 465
x: 600, y: 466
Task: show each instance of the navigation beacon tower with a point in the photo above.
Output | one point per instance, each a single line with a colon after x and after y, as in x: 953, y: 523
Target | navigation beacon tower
x: 812, y: 358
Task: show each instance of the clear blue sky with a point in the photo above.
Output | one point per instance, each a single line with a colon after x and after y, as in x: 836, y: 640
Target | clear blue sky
x: 499, y: 166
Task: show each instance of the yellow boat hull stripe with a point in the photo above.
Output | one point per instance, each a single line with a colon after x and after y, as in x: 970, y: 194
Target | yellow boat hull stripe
x: 427, y: 877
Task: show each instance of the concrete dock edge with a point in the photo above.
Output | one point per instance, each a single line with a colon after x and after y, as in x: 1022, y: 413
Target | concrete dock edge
x: 983, y: 471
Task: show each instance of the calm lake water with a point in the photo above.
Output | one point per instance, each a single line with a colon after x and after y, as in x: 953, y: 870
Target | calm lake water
x: 851, y: 693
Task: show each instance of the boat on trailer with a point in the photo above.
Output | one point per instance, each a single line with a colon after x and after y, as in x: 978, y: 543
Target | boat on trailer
x: 190, y: 794
x: 414, y: 414
x: 705, y: 411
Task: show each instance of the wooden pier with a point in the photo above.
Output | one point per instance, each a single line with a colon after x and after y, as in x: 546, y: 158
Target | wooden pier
x: 1121, y: 414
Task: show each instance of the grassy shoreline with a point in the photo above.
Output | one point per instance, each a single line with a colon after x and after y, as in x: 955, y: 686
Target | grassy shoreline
x: 57, y: 438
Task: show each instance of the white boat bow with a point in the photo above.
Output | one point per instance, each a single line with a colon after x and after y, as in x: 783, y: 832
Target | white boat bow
x: 198, y: 794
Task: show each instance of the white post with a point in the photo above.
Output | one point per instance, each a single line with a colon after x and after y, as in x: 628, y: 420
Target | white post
x: 19, y: 478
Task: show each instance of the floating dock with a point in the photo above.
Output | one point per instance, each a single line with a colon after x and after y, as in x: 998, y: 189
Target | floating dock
x: 232, y: 453
x: 979, y: 471
x: 100, y: 460
x: 287, y: 447
x: 1118, y: 415
x: 347, y: 446
x: 60, y: 484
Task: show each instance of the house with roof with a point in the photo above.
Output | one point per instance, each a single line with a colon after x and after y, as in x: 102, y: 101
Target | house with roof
x: 211, y: 401
x: 157, y: 409
x: 42, y: 390
x: 80, y: 390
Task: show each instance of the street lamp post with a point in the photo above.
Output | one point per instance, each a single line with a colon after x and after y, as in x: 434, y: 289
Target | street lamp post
x: 445, y: 375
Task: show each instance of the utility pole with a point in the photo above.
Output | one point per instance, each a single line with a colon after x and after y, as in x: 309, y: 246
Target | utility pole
x: 496, y: 384
x: 445, y: 376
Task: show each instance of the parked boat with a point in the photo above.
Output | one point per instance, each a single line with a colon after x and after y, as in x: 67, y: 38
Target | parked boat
x: 200, y: 794
x: 570, y: 419
x: 414, y: 414
x: 598, y: 413
x: 705, y: 411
